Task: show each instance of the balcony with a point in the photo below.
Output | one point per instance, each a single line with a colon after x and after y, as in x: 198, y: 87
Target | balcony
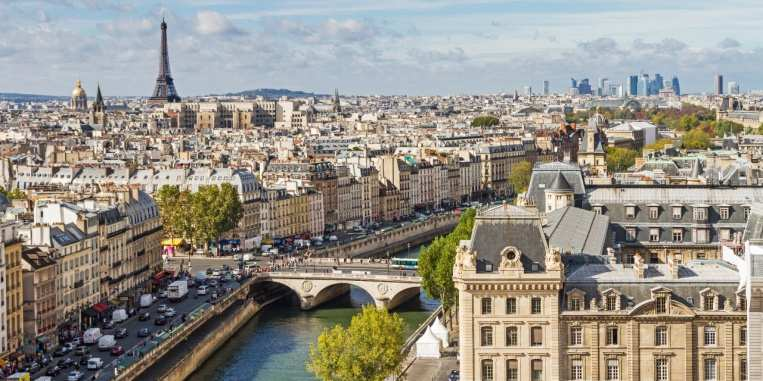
x: 79, y: 283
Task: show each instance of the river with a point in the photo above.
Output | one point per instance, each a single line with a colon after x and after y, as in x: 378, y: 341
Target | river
x: 274, y: 345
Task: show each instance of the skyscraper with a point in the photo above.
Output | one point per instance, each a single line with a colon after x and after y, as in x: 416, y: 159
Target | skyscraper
x: 164, y: 91
x: 573, y: 83
x: 632, y: 85
x: 733, y: 88
x: 644, y: 85
x: 545, y: 88
x: 718, y: 84
x: 675, y: 85
x: 657, y: 83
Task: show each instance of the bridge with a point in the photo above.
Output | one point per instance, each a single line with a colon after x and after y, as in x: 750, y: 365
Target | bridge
x: 315, y: 288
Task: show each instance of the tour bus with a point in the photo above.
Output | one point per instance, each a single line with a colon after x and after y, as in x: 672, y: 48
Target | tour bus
x: 404, y: 263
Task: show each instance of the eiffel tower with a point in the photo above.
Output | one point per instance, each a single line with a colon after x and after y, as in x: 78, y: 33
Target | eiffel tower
x: 164, y: 91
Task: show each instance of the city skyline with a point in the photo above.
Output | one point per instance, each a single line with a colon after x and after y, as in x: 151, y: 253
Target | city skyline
x: 222, y: 46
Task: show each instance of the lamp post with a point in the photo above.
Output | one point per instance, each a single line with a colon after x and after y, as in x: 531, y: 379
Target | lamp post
x: 387, y: 261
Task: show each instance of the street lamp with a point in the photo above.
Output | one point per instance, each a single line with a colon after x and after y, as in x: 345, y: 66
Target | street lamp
x: 387, y: 261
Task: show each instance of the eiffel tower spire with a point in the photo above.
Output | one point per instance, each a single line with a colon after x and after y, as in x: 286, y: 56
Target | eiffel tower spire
x: 164, y: 90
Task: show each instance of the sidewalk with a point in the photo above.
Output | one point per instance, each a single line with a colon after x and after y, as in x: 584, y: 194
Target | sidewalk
x: 432, y: 369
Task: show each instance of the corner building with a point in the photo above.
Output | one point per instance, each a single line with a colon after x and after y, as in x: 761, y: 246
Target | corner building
x: 541, y: 299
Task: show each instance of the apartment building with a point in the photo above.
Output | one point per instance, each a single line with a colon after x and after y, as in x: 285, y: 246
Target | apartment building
x: 40, y: 303
x: 14, y: 286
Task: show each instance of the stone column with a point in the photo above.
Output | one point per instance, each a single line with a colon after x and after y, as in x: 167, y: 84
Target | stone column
x: 634, y: 353
x: 729, y: 363
x: 595, y: 345
x: 691, y: 351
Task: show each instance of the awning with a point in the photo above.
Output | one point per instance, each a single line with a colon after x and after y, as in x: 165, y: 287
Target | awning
x: 100, y: 307
x: 172, y: 242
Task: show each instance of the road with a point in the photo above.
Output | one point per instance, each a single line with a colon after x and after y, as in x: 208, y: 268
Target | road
x: 134, y: 344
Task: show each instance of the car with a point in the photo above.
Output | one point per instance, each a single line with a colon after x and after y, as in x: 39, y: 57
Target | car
x: 160, y: 321
x: 120, y: 333
x: 74, y: 375
x: 108, y: 325
x: 31, y: 367
x: 67, y: 362
x: 84, y: 359
x: 144, y: 332
x: 163, y: 294
x: 170, y: 313
x: 144, y: 316
x: 162, y: 308
x: 238, y: 257
x: 117, y: 350
x: 454, y: 376
x: 53, y: 371
x: 81, y: 351
x: 94, y: 363
x: 201, y: 290
x: 212, y: 283
x: 70, y: 346
x: 60, y: 352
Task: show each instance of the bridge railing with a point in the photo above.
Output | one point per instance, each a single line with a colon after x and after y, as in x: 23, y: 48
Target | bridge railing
x: 289, y: 274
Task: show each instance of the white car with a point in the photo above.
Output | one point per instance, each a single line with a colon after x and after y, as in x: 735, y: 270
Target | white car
x: 74, y: 375
x: 94, y: 363
x: 162, y: 294
x: 201, y: 290
x: 169, y: 313
x: 162, y: 308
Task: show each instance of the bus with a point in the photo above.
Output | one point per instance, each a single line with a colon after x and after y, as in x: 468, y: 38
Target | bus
x: 404, y: 263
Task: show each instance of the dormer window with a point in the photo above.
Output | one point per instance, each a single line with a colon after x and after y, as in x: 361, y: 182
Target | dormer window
x: 630, y: 234
x: 724, y: 212
x: 661, y: 305
x: 654, y: 212
x: 746, y: 212
x: 630, y: 211
x: 700, y: 213
x: 677, y: 212
x: 709, y: 300
x: 611, y: 300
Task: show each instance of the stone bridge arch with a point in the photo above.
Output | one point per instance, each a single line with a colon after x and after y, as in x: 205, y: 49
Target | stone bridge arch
x: 316, y: 289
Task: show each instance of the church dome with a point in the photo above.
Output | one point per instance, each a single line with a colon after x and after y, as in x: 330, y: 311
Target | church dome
x: 78, y: 90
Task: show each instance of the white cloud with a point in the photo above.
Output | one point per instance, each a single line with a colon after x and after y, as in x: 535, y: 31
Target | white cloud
x: 210, y: 22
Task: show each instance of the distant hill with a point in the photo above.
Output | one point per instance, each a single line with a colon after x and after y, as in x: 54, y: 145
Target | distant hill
x: 16, y: 97
x: 275, y: 93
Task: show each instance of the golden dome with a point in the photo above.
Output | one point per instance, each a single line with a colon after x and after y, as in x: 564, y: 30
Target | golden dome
x: 78, y: 91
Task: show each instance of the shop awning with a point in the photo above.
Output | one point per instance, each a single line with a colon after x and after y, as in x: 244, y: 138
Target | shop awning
x: 100, y: 307
x: 172, y: 242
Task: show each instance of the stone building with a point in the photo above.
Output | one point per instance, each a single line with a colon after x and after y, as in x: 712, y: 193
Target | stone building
x: 40, y: 303
x: 591, y: 154
x: 14, y: 286
x: 539, y: 300
x: 78, y: 101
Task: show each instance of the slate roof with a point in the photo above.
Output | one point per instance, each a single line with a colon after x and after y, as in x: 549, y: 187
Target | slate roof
x: 576, y: 230
x: 543, y: 176
x: 37, y: 258
x: 560, y: 183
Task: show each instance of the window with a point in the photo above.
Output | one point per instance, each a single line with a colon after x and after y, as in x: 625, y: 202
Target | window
x: 725, y: 234
x: 487, y: 370
x: 612, y: 335
x: 597, y: 209
x: 576, y: 370
x: 511, y: 306
x: 724, y: 212
x: 654, y: 235
x: 486, y: 336
x: 709, y: 368
x: 536, y: 306
x: 487, y: 306
x: 611, y: 302
x: 661, y: 336
x: 709, y: 335
x: 574, y: 304
x: 654, y: 212
x: 512, y: 370
x: 741, y: 303
x: 709, y: 303
x: 700, y: 235
x: 678, y: 235
x: 746, y: 213
x: 536, y: 368
x: 743, y: 369
x: 536, y: 336
x: 661, y: 369
x: 700, y: 214
x: 630, y: 212
x: 743, y: 336
x: 613, y: 370
x: 630, y: 234
x: 676, y: 212
x: 512, y: 336
x: 576, y: 335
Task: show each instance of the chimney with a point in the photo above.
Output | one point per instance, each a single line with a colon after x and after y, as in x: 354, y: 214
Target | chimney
x: 639, y: 267
x: 673, y: 266
x: 611, y: 256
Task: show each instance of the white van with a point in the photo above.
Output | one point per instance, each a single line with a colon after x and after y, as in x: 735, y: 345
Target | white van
x: 94, y: 363
x: 146, y: 300
x: 106, y: 342
x: 91, y: 336
x: 119, y: 315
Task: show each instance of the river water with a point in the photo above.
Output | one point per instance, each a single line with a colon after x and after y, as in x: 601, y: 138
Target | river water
x: 274, y: 345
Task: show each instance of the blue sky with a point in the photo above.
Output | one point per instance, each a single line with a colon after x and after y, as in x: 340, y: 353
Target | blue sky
x: 374, y: 46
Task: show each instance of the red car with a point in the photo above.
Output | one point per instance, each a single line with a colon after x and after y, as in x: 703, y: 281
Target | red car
x: 117, y: 350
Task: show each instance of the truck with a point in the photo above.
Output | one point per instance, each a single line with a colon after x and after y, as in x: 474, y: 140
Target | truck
x: 91, y: 336
x: 177, y: 290
x: 119, y: 315
x: 106, y: 342
x: 146, y: 300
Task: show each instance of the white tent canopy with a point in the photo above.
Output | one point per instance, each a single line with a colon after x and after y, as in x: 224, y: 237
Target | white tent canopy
x: 428, y: 346
x: 440, y: 332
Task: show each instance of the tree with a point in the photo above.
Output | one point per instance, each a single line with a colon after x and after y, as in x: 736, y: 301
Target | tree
x: 369, y: 349
x: 520, y: 176
x: 485, y: 121
x: 760, y: 129
x: 696, y: 139
x: 659, y: 144
x: 230, y: 206
x: 620, y: 159
x: 16, y: 194
x: 722, y: 128
x: 436, y: 261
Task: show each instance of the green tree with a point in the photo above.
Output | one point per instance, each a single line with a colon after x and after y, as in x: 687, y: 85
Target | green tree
x: 696, y: 139
x: 726, y: 127
x: 659, y: 144
x: 230, y: 207
x: 520, y: 176
x: 16, y: 194
x: 368, y: 349
x: 620, y: 159
x: 436, y: 261
x: 485, y: 121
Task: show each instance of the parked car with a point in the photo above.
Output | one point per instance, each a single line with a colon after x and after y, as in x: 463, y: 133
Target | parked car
x: 117, y: 350
x: 160, y: 321
x: 144, y: 316
x: 74, y: 375
x: 144, y: 332
x: 120, y: 333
